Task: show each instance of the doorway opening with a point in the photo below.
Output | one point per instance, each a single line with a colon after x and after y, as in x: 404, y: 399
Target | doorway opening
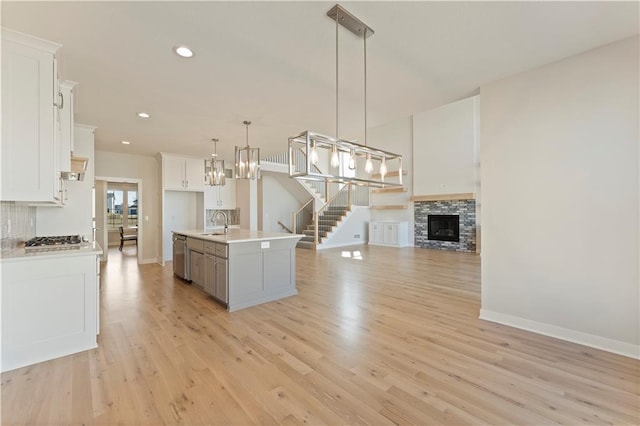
x: 118, y: 206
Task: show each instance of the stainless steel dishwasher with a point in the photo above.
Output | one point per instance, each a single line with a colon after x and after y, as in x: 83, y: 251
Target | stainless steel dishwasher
x: 181, y: 257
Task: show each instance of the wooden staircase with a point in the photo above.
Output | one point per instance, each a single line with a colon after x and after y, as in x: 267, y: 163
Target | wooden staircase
x: 328, y: 220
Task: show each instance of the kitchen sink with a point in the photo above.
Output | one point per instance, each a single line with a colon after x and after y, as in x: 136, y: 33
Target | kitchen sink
x: 211, y: 234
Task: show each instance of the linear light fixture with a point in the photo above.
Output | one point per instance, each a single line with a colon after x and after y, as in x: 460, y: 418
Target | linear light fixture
x: 214, y: 168
x: 305, y: 169
x: 337, y: 150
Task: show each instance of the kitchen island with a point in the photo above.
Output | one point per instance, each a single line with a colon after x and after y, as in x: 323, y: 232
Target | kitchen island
x: 242, y: 268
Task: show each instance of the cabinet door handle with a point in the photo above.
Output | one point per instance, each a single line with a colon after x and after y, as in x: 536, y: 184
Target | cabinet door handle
x: 60, y: 104
x: 187, y: 185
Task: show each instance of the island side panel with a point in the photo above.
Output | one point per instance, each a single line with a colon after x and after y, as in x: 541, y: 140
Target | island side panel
x: 261, y: 271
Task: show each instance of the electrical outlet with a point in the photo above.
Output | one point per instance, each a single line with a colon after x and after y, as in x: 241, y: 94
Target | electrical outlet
x: 356, y: 236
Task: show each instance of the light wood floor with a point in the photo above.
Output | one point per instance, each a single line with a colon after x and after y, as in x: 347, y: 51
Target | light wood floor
x: 393, y: 337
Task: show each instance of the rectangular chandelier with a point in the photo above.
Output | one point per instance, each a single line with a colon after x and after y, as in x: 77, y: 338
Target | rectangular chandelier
x: 317, y: 157
x: 214, y: 174
x: 247, y: 164
x: 313, y: 156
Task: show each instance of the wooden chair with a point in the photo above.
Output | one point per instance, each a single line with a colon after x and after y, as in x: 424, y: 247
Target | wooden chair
x: 128, y: 236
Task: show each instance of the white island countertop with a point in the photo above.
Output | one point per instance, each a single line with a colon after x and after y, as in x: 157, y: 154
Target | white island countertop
x: 236, y: 235
x: 19, y: 254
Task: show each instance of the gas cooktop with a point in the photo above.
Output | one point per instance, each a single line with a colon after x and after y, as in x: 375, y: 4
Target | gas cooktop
x: 62, y: 242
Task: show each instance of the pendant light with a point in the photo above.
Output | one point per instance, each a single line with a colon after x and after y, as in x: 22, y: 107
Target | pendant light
x: 352, y: 159
x: 314, y: 154
x: 247, y: 164
x: 383, y: 168
x: 335, y: 158
x: 214, y: 168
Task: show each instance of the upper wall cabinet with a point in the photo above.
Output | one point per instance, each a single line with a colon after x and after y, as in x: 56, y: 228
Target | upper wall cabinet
x: 221, y: 197
x: 29, y: 108
x: 182, y: 173
x: 64, y: 130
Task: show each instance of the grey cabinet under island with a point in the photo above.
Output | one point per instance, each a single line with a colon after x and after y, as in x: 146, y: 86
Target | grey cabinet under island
x: 245, y: 268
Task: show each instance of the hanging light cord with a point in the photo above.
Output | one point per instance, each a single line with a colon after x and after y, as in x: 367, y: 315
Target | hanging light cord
x: 246, y: 123
x: 365, y: 87
x: 337, y: 115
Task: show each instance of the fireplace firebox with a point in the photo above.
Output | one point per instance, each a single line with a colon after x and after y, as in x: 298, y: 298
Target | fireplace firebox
x: 444, y: 227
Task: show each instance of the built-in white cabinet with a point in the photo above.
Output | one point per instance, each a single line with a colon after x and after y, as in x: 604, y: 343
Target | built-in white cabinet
x: 182, y: 173
x: 50, y: 307
x: 389, y: 233
x: 64, y: 125
x: 29, y: 108
x: 221, y: 197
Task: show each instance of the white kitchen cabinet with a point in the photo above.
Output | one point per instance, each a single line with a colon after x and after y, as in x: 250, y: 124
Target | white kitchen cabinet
x: 221, y: 197
x: 29, y: 101
x: 50, y: 307
x: 182, y: 173
x: 389, y: 233
x: 64, y: 125
x: 376, y: 232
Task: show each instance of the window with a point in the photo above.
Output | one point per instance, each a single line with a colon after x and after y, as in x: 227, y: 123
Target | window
x: 122, y: 206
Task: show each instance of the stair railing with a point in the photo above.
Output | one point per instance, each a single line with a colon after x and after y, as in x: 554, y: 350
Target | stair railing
x: 319, y: 186
x: 342, y: 198
x: 303, y: 217
x: 282, y: 158
x: 360, y: 196
x: 349, y: 195
x: 285, y: 227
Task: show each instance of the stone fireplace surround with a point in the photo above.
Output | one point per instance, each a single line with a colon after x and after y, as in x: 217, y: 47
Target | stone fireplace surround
x: 465, y: 208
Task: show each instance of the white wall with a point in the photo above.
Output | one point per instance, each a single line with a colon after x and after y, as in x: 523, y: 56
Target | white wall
x: 180, y: 214
x: 559, y: 172
x: 278, y: 204
x: 128, y: 166
x: 248, y: 203
x: 444, y: 147
x: 102, y: 236
x: 396, y: 137
x: 76, y: 217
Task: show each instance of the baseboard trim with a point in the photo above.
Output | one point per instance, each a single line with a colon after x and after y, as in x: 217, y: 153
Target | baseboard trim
x: 337, y: 245
x: 586, y: 339
x: 151, y: 260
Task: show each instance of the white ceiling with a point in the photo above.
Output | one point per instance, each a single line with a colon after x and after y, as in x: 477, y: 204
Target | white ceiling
x: 274, y: 62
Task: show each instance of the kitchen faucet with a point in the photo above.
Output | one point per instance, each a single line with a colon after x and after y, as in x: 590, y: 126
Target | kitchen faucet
x: 226, y: 220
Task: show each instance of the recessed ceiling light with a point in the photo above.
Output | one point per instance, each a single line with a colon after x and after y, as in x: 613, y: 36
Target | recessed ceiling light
x: 143, y: 115
x: 126, y: 143
x: 183, y: 51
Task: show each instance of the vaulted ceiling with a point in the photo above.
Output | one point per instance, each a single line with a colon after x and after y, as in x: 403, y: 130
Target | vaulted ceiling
x: 274, y: 62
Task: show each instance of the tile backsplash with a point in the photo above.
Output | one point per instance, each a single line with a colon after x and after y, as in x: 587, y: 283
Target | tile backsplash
x: 232, y: 215
x: 17, y: 221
